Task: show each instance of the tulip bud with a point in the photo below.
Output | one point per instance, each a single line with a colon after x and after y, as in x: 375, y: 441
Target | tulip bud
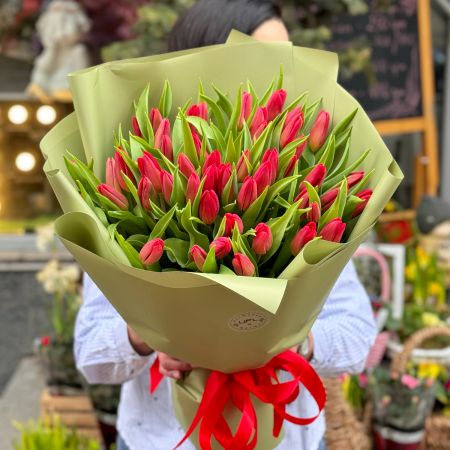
x: 276, y: 103
x: 242, y: 265
x: 271, y: 156
x: 333, y: 230
x: 185, y: 165
x: 304, y: 199
x: 313, y: 215
x: 121, y: 166
x: 197, y: 142
x: 365, y: 196
x: 224, y: 172
x: 163, y: 130
x: 315, y: 177
x: 166, y: 147
x: 301, y: 148
x: 294, y: 121
x: 211, y: 175
x: 167, y: 185
x: 263, y: 240
x: 291, y: 166
x: 152, y: 251
x: 354, y: 178
x: 115, y: 196
x: 319, y: 131
x: 150, y: 168
x: 199, y: 110
x: 328, y: 198
x: 198, y: 255
x: 209, y: 207
x: 135, y: 126
x: 213, y: 159
x: 111, y: 179
x: 303, y: 236
x: 247, y: 194
x: 192, y: 187
x: 155, y: 118
x: 230, y: 221
x: 241, y: 168
x: 222, y: 246
x: 263, y: 176
x: 145, y: 192
x: 246, y: 109
x: 259, y: 122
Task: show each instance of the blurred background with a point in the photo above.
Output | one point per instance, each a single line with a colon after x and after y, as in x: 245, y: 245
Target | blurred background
x: 393, y: 59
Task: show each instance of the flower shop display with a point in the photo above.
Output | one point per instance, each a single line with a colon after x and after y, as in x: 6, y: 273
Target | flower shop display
x: 221, y: 209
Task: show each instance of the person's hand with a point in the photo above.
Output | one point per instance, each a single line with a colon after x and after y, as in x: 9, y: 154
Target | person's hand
x: 140, y: 347
x: 172, y: 367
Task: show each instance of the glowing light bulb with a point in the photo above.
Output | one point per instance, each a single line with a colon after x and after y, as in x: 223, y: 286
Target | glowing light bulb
x: 18, y: 114
x: 46, y: 114
x: 25, y: 161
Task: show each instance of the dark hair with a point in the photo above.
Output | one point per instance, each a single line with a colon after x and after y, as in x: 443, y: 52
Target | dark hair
x: 209, y: 22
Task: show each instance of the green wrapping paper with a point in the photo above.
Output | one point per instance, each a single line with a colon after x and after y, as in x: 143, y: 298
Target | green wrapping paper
x: 244, y: 321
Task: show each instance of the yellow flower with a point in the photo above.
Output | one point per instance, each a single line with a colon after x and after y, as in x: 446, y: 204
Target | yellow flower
x: 429, y: 370
x: 430, y: 319
x: 411, y: 271
x: 390, y: 206
x: 422, y: 257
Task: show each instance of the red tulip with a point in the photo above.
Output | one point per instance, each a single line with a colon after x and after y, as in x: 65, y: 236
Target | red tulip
x: 121, y: 166
x: 193, y: 185
x: 198, y: 255
x: 259, y: 122
x: 328, y: 198
x: 303, y: 236
x: 263, y: 176
x: 301, y: 147
x: 246, y: 109
x: 313, y: 215
x: 242, y: 265
x: 319, y: 131
x: 333, y: 230
x: 152, y: 251
x: 315, y: 177
x: 167, y: 185
x: 135, y: 126
x: 45, y: 341
x: 230, y: 221
x: 146, y: 191
x: 241, y: 168
x: 185, y: 165
x: 271, y: 156
x: 211, y: 175
x: 197, y: 142
x: 224, y: 172
x: 150, y: 168
x: 304, y: 199
x: 294, y: 121
x: 163, y: 130
x: 365, y: 196
x: 166, y: 147
x: 263, y: 240
x: 155, y: 118
x: 111, y: 178
x: 222, y: 246
x: 213, y: 159
x: 276, y: 103
x: 199, y: 110
x: 115, y: 196
x: 247, y: 194
x: 354, y: 178
x: 209, y: 207
x: 291, y: 166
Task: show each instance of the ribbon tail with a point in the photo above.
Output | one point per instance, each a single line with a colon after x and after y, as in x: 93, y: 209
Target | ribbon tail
x: 155, y: 376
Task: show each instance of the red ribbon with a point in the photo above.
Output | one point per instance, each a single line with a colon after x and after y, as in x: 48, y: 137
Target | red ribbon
x: 236, y: 388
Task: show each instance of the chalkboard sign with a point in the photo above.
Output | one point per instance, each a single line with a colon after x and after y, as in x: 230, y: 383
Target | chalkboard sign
x: 391, y: 88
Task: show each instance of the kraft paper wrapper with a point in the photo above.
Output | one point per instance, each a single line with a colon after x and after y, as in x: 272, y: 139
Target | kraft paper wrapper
x: 220, y: 322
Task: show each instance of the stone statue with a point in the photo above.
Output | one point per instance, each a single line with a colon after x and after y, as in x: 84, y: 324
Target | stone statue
x: 61, y: 29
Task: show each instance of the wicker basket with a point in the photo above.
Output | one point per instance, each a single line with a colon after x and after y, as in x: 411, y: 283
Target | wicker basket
x: 344, y: 430
x: 437, y: 428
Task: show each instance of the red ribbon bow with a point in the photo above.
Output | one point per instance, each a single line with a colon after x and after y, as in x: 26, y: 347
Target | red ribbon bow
x: 236, y: 387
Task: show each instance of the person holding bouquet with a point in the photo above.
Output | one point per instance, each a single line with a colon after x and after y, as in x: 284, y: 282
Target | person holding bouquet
x: 108, y: 351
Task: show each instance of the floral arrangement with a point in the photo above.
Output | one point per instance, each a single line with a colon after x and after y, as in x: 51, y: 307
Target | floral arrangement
x: 226, y: 188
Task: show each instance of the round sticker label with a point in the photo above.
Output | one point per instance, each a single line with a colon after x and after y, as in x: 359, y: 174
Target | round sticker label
x: 253, y: 320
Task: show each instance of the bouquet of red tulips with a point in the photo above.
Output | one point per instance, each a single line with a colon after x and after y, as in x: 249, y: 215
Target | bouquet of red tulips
x: 279, y: 183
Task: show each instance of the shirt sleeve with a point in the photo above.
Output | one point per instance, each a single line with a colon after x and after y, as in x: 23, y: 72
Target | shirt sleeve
x: 345, y: 329
x: 103, y: 352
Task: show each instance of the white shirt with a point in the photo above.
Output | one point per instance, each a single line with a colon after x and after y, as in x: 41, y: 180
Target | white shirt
x: 343, y: 334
